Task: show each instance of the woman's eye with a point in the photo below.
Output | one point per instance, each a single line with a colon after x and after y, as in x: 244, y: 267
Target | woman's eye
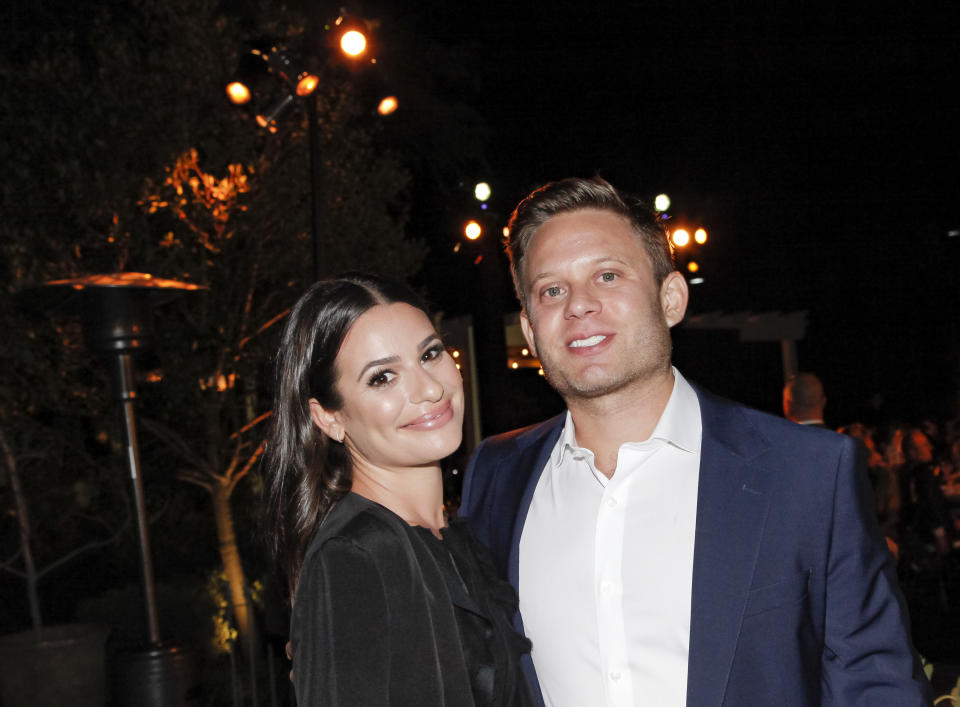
x: 432, y: 353
x: 380, y: 378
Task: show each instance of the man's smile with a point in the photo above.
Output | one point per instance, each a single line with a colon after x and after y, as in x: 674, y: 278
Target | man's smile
x: 589, y: 341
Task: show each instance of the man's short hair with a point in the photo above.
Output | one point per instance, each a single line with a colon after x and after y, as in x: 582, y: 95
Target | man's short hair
x: 576, y: 194
x: 803, y: 396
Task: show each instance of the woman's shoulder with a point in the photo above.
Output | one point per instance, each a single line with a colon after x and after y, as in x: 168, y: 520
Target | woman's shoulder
x: 357, y: 521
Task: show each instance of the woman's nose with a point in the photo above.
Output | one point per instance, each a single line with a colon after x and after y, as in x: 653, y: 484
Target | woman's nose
x: 427, y: 387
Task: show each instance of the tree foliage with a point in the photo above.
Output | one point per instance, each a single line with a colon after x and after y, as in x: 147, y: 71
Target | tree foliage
x: 122, y: 153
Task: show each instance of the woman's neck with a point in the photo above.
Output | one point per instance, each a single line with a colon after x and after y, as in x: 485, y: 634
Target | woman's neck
x: 416, y: 495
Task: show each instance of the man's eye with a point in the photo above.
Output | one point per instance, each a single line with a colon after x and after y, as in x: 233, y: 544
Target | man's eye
x: 552, y: 291
x: 608, y: 276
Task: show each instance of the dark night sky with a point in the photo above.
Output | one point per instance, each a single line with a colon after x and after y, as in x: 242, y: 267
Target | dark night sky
x: 816, y: 141
x: 817, y: 144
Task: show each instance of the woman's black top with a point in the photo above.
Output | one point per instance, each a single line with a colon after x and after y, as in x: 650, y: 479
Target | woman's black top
x: 388, y: 614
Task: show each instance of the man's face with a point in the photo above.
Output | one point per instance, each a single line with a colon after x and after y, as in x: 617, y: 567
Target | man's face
x: 595, y: 315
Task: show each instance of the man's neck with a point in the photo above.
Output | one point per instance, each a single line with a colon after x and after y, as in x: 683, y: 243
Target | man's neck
x: 628, y: 415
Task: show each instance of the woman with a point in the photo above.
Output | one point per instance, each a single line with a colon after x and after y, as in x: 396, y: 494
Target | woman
x: 391, y: 605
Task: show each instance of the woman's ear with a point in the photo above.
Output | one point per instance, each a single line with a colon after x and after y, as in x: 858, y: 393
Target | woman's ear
x: 327, y: 420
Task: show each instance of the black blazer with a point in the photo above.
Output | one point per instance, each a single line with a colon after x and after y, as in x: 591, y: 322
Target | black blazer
x: 375, y: 620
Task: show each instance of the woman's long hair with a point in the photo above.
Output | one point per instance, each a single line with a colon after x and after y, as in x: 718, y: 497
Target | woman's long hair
x: 306, y: 472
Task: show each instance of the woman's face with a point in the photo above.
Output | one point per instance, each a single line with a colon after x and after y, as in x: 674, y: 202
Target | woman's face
x: 402, y: 392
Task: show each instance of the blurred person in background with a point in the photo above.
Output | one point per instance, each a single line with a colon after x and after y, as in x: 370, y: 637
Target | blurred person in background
x: 804, y: 400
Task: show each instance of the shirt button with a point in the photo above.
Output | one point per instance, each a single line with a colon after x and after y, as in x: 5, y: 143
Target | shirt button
x: 611, y: 502
x: 606, y: 588
x: 615, y: 675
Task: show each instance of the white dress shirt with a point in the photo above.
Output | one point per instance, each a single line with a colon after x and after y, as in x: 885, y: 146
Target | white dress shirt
x: 606, y: 566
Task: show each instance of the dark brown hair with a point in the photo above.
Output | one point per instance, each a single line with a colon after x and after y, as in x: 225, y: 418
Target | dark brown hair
x: 575, y: 194
x: 306, y: 472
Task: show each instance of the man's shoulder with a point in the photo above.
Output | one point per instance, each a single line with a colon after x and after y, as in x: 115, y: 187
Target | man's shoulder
x: 730, y: 418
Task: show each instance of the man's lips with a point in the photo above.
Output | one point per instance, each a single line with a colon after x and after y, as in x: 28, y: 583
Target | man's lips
x: 587, y: 342
x: 433, y: 419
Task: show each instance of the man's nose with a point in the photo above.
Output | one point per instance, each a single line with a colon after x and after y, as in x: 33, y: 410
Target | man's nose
x: 582, y: 302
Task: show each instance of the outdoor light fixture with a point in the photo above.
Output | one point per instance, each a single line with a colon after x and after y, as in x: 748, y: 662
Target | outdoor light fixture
x: 351, y: 36
x: 238, y: 92
x: 388, y: 105
x: 353, y: 43
x: 481, y: 191
x: 290, y: 71
x: 278, y: 62
x: 348, y: 37
x: 269, y: 119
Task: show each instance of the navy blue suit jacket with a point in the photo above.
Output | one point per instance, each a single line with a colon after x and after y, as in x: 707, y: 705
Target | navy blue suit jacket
x: 795, y: 598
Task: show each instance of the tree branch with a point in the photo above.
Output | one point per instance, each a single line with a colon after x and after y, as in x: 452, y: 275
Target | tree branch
x: 93, y: 545
x: 195, y: 479
x: 177, y: 444
x: 263, y: 328
x: 250, y: 425
x: 246, y: 467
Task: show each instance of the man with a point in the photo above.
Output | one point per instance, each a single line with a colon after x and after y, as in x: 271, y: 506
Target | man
x: 804, y: 400
x: 670, y: 548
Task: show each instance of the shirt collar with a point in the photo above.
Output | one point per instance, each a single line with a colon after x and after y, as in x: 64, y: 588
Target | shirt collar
x: 679, y: 424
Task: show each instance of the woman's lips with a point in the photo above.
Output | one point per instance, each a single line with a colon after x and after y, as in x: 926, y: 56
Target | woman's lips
x: 433, y: 419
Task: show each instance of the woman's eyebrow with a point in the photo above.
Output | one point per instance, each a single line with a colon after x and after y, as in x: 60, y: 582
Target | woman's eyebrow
x: 377, y: 362
x: 393, y: 359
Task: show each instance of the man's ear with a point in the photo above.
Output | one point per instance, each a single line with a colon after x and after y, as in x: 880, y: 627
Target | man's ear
x: 527, y: 329
x: 674, y: 296
x: 327, y: 420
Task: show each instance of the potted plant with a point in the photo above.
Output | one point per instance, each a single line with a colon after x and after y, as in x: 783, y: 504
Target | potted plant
x: 47, y: 665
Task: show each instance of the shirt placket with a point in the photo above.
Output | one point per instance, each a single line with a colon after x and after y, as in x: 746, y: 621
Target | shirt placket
x: 608, y: 587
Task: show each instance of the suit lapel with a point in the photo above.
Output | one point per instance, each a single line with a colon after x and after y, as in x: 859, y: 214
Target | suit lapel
x: 532, y: 457
x: 732, y: 505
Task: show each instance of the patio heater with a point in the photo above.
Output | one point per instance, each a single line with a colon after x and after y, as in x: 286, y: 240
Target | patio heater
x: 117, y: 311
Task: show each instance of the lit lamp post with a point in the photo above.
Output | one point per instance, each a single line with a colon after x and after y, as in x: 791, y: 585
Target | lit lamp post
x: 488, y: 308
x: 116, y: 311
x: 680, y: 240
x: 298, y: 83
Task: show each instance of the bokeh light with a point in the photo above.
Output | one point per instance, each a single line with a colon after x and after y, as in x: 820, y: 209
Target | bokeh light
x: 353, y: 43
x: 238, y: 92
x: 681, y: 237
